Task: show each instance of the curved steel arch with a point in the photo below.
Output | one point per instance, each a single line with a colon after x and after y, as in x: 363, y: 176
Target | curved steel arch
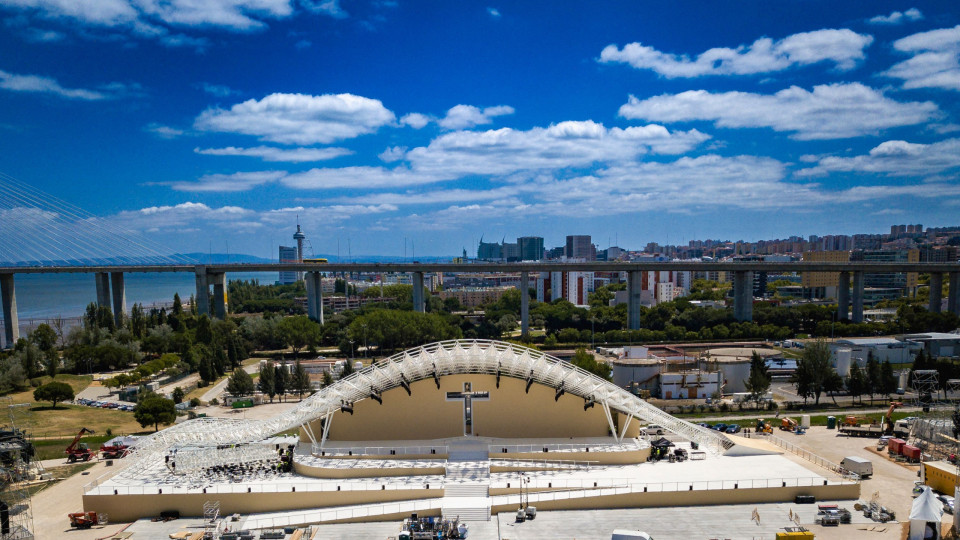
x: 435, y: 359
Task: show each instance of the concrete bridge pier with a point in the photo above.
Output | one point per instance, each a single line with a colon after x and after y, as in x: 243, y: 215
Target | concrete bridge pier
x: 418, y: 300
x: 11, y: 322
x: 843, y: 296
x: 119, y: 297
x: 314, y: 296
x: 743, y: 295
x: 524, y: 304
x: 857, y: 315
x: 103, y: 289
x: 953, y: 295
x: 203, y: 291
x: 634, y: 296
x: 219, y: 294
x: 936, y: 292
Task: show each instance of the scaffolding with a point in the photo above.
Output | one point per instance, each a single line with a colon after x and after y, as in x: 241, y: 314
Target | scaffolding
x: 194, y: 460
x: 213, y: 525
x: 926, y: 385
x: 17, y: 467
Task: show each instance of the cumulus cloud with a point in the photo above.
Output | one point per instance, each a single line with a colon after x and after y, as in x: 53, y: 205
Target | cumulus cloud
x: 494, y: 12
x: 162, y: 131
x: 47, y: 85
x: 299, y: 118
x: 326, y: 7
x: 394, y: 153
x: 843, y: 47
x: 225, y: 183
x: 271, y: 153
x: 935, y: 60
x: 358, y: 177
x: 894, y: 158
x: 468, y: 116
x: 831, y: 111
x: 415, y: 120
x: 898, y: 17
x: 218, y: 90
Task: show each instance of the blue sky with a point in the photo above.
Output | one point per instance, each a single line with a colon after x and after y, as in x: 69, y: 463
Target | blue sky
x: 439, y: 122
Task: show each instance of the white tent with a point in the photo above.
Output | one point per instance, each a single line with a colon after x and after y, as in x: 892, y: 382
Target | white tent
x: 925, y: 516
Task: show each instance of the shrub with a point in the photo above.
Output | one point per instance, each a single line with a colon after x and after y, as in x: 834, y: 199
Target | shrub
x: 195, y: 402
x: 35, y: 382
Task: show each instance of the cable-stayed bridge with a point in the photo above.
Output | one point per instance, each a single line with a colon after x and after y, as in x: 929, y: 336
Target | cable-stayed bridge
x: 41, y: 234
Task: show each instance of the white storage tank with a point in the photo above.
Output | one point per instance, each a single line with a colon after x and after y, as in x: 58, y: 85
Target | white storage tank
x: 843, y: 362
x: 733, y: 363
x: 643, y: 371
x: 805, y: 421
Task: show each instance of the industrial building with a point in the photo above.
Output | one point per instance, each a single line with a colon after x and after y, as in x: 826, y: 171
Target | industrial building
x: 459, y: 430
x: 884, y: 349
x: 936, y: 344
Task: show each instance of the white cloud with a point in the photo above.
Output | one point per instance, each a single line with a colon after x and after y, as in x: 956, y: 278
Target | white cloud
x: 468, y: 116
x: 357, y: 178
x: 226, y: 183
x: 394, y: 153
x: 894, y: 158
x: 164, y: 132
x: 270, y: 153
x: 494, y: 12
x: 48, y: 85
x: 415, y: 120
x: 842, y: 47
x: 326, y: 7
x: 299, y: 118
x: 832, y: 111
x: 897, y: 17
x: 935, y: 62
x: 218, y: 90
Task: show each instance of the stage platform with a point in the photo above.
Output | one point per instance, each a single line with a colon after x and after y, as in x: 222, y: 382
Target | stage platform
x: 474, y: 474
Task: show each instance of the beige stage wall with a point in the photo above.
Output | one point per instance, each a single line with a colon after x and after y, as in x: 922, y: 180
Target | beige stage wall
x: 509, y: 413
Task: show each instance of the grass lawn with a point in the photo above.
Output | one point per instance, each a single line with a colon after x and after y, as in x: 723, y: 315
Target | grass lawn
x: 77, y: 382
x: 56, y: 448
x: 815, y: 420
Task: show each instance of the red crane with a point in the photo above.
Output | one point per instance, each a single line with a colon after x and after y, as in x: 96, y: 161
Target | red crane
x: 78, y: 450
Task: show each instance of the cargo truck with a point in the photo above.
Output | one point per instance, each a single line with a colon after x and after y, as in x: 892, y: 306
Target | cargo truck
x: 863, y: 467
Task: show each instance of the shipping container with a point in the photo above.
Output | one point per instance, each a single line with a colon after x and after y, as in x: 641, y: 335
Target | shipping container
x: 912, y: 453
x: 894, y: 446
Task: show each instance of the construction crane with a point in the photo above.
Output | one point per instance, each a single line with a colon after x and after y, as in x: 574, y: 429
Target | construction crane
x: 888, y: 418
x: 78, y: 450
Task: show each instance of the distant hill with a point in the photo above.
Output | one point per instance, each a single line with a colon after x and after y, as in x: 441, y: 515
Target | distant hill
x: 215, y: 258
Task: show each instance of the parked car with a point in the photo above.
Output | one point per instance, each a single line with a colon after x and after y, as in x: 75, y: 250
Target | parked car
x: 733, y: 429
x: 720, y: 427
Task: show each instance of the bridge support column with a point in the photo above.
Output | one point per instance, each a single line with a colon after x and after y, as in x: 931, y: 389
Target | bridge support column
x: 119, y: 297
x: 418, y: 300
x: 11, y: 322
x: 857, y: 315
x: 953, y: 295
x: 103, y: 289
x: 203, y: 291
x: 314, y: 286
x: 843, y: 296
x: 524, y: 304
x: 936, y: 292
x: 634, y: 295
x: 743, y: 295
x: 219, y: 295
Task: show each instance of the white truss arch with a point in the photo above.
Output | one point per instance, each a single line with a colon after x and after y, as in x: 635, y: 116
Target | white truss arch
x: 438, y: 359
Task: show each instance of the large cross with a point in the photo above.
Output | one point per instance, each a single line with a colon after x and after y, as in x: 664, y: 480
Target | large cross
x: 468, y: 395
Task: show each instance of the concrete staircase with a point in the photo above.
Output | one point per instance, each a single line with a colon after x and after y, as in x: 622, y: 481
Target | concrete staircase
x: 466, y: 486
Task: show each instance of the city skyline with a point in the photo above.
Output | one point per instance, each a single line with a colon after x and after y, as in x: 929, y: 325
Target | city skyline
x: 382, y: 123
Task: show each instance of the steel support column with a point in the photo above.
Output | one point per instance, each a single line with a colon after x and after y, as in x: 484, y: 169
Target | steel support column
x: 418, y: 300
x: 524, y: 304
x: 103, y: 289
x: 203, y: 291
x: 219, y: 295
x: 743, y: 295
x: 936, y: 292
x: 857, y: 315
x: 953, y: 295
x: 314, y: 284
x: 634, y: 295
x: 119, y: 297
x: 843, y: 297
x: 11, y: 322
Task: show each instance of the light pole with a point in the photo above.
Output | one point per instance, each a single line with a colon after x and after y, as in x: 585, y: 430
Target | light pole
x: 351, y: 349
x: 364, y: 340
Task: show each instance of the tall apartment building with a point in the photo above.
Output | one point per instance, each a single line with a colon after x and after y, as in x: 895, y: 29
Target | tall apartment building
x: 531, y: 248
x: 823, y: 284
x: 288, y: 254
x: 575, y: 287
x: 580, y: 247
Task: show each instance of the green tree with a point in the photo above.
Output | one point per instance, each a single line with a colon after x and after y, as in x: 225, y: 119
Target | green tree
x: 138, y: 321
x: 54, y: 392
x: 266, y: 382
x: 347, y: 368
x: 204, y: 333
x: 301, y: 380
x: 44, y: 337
x: 177, y: 308
x: 587, y: 362
x: 298, y: 332
x: 240, y: 383
x: 207, y: 373
x: 856, y: 382
x: 813, y: 371
x: 281, y: 380
x: 155, y: 410
x: 178, y: 395
x: 872, y: 376
x: 233, y: 356
x: 888, y: 381
x: 51, y: 363
x: 758, y: 382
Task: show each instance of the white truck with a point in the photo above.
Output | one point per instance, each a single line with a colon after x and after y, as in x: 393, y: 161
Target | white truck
x: 859, y: 465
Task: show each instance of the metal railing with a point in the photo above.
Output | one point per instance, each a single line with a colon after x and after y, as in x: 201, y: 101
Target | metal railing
x: 240, y: 487
x: 347, y: 451
x: 353, y: 512
x: 565, y: 464
x: 631, y: 444
x: 813, y: 458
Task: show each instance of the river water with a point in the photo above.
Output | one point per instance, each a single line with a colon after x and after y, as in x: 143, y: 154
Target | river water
x: 41, y: 297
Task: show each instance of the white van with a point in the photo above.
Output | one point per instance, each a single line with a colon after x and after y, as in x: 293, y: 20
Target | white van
x: 859, y: 465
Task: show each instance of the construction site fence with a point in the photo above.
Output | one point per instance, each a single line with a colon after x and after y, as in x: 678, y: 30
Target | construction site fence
x: 810, y: 456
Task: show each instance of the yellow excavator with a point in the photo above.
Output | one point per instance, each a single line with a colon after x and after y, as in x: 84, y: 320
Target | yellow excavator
x: 763, y: 426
